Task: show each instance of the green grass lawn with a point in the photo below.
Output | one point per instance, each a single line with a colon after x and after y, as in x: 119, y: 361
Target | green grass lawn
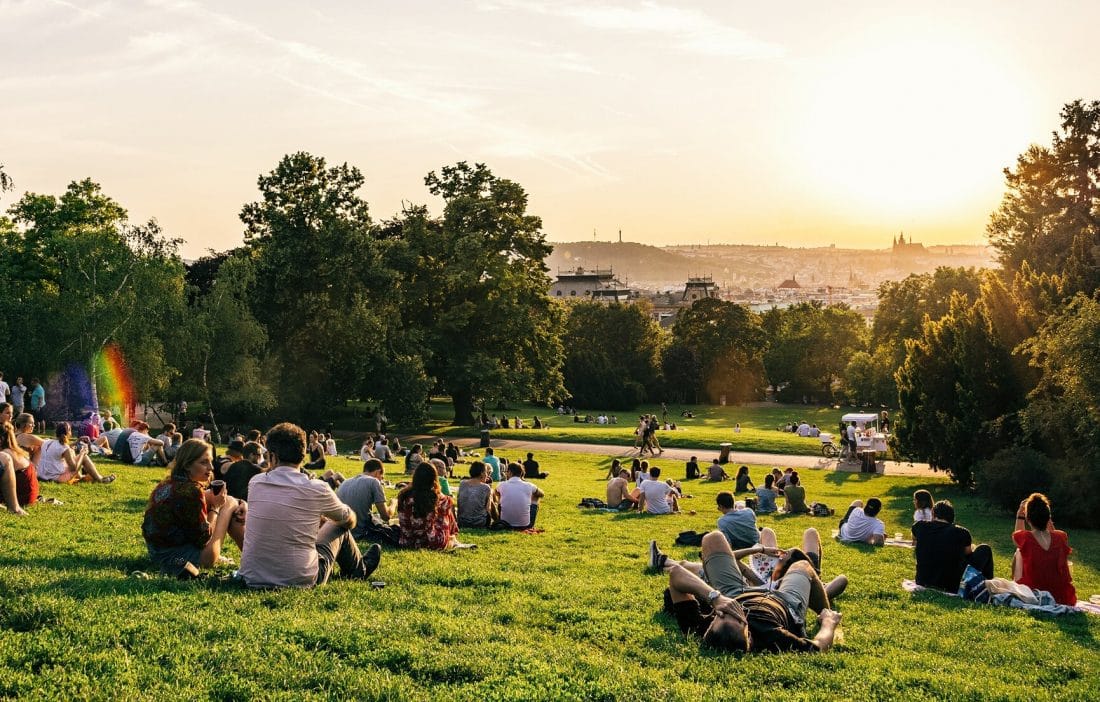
x: 567, y: 614
x: 711, y: 426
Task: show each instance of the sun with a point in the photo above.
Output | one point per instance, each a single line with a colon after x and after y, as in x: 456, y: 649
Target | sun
x: 910, y: 128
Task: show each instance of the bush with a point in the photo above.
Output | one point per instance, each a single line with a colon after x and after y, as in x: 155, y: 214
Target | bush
x: 1012, y: 474
x: 1075, y: 493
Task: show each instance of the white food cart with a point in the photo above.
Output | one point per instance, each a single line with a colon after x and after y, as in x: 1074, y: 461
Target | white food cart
x: 869, y: 440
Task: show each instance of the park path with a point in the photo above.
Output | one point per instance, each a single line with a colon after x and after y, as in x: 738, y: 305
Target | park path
x: 704, y: 456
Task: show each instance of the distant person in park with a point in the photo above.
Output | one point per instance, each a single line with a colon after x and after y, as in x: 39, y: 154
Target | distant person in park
x: 234, y: 452
x: 614, y: 468
x: 716, y: 473
x: 440, y: 467
x: 765, y: 496
x: 366, y: 496
x: 618, y: 492
x: 795, y: 496
x: 18, y: 393
x: 25, y: 436
x: 5, y: 391
x: 943, y: 549
x: 861, y: 524
x: 731, y: 615
x: 330, y: 445
x: 298, y: 529
x: 414, y: 458
x: 1042, y: 553
x: 316, y: 452
x: 185, y: 523
x: 922, y: 506
x: 477, y: 505
x: 366, y: 450
x: 60, y: 463
x: 519, y: 499
x: 743, y: 481
x: 426, y: 515
x: 691, y: 469
x: 492, y: 464
x: 241, y: 471
x: 536, y: 422
x: 531, y: 468
x: 658, y: 497
x: 737, y: 524
x: 144, y: 449
x: 171, y: 439
x: 383, y: 452
x: 783, y: 478
x: 635, y: 468
x: 38, y: 402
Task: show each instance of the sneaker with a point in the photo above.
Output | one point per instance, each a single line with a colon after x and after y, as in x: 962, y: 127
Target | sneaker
x: 371, y: 559
x: 656, y: 558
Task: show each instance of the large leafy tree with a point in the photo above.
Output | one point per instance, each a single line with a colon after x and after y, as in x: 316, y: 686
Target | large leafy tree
x: 1050, y: 214
x: 322, y: 290
x: 474, y: 285
x: 82, y: 277
x: 957, y: 392
x: 612, y: 354
x: 728, y: 342
x: 809, y: 346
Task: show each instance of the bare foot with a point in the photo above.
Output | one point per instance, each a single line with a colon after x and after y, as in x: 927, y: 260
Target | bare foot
x: 18, y: 511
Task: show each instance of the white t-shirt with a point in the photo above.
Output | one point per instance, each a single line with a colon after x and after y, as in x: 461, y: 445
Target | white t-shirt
x: 851, y: 432
x: 922, y: 515
x: 137, y: 444
x: 50, y: 464
x: 803, y: 429
x: 656, y: 496
x: 330, y: 447
x: 382, y: 453
x: 5, y: 390
x: 515, y: 501
x: 860, y: 527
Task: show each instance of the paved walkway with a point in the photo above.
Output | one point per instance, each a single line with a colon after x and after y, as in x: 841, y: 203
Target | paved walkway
x: 704, y: 456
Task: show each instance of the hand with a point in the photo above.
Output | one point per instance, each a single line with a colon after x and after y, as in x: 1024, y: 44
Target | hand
x: 829, y: 616
x: 215, y: 502
x: 728, y: 607
x: 241, y: 513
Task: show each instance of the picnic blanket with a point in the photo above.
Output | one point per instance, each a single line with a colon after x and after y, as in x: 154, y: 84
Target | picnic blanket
x: 1003, y: 594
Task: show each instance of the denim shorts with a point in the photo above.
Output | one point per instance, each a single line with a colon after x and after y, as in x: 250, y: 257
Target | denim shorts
x: 172, y: 559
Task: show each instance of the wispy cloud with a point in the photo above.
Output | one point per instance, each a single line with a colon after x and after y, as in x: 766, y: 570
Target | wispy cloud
x: 687, y: 29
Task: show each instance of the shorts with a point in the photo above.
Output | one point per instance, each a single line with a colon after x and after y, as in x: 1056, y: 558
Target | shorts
x: 172, y: 559
x: 794, y: 589
x: 723, y: 574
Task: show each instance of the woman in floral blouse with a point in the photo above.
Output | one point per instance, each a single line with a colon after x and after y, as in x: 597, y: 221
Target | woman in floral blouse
x: 185, y: 521
x: 427, y: 517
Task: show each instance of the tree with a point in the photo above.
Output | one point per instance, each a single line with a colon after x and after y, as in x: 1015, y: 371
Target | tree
x: 728, y: 341
x: 1050, y: 215
x: 474, y: 284
x: 809, y: 346
x: 612, y: 354
x: 956, y: 391
x: 322, y: 288
x: 87, y: 278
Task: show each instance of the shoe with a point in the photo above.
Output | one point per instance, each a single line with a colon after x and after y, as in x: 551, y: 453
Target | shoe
x: 371, y: 559
x: 656, y: 558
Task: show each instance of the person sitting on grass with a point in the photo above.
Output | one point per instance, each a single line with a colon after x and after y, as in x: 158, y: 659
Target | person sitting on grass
x: 59, y: 463
x: 744, y: 482
x: 171, y: 439
x: 658, y: 497
x: 26, y: 438
x: 367, y: 449
x: 619, y: 495
x: 426, y: 515
x: 185, y: 523
x: 743, y: 618
x: 298, y: 529
x: 795, y: 496
x: 1042, y: 553
x: 765, y: 496
x: 519, y: 500
x: 737, y: 524
x: 716, y: 473
x: 861, y: 524
x: 144, y: 449
x: 240, y: 472
x: 364, y: 493
x: 782, y: 479
x: 477, y: 506
x: 922, y: 506
x: 414, y: 457
x: 531, y: 468
x: 943, y: 550
x: 25, y: 477
x: 691, y: 469
x: 614, y: 468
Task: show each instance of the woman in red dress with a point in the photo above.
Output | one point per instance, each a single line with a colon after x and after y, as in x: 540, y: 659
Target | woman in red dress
x: 427, y: 516
x: 1042, y: 552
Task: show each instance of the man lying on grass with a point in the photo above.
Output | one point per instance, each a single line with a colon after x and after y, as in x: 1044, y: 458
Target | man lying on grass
x: 740, y: 617
x: 861, y: 524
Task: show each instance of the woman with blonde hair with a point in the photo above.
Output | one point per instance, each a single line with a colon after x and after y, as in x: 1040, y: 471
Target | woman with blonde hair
x: 187, y: 521
x: 58, y: 462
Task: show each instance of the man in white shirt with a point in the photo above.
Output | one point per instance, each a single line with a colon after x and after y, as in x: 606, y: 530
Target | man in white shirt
x: 803, y: 429
x: 861, y: 524
x: 519, y: 499
x: 382, y: 450
x: 658, y: 497
x: 144, y: 449
x: 5, y: 390
x: 286, y: 543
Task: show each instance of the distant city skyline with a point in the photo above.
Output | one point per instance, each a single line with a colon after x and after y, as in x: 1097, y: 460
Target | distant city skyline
x: 719, y: 122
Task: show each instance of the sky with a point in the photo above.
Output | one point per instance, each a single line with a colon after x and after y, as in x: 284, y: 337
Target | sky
x: 798, y: 123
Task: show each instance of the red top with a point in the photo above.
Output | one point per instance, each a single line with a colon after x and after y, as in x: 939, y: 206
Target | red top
x: 1047, y: 569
